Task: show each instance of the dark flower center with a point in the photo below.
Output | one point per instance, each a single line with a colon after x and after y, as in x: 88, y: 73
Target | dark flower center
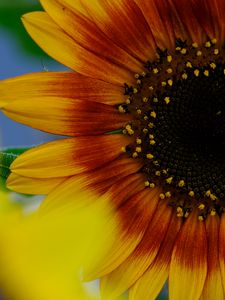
x: 178, y: 126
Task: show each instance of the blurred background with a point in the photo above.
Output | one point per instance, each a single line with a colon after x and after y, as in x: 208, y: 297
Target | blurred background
x: 20, y: 55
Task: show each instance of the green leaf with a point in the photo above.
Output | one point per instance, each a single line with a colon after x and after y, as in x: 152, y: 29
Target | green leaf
x: 7, y: 156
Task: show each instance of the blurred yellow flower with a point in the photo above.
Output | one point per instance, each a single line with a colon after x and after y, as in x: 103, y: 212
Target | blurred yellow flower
x: 41, y: 256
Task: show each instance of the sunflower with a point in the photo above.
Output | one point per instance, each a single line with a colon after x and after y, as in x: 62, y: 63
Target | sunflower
x: 153, y: 73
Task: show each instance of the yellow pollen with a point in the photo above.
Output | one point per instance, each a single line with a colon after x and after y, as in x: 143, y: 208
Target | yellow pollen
x: 143, y: 74
x: 123, y: 149
x: 149, y: 156
x: 138, y: 81
x: 188, y: 64
x: 138, y: 141
x: 186, y: 214
x: 180, y: 212
x: 208, y: 193
x: 152, y: 185
x: 213, y: 65
x: 135, y: 155
x: 183, y: 51
x: 151, y: 88
x: 206, y: 73
x: 138, y: 149
x: 162, y: 196
x: 224, y: 71
x: 169, y: 70
x: 139, y: 111
x: 129, y: 130
x: 136, y: 76
x: 200, y: 218
x: 164, y: 171
x: 145, y: 130
x: 157, y: 173
x: 156, y: 163
x: 216, y: 51
x: 179, y: 209
x: 169, y: 58
x: 145, y: 117
x: 213, y: 212
x: 121, y: 109
x: 170, y: 82
x: 196, y: 72
x: 199, y: 53
x: 152, y: 142
x: 155, y: 70
x: 135, y: 90
x: 153, y: 114
x: 201, y: 206
x: 128, y: 101
x: 168, y: 194
x: 195, y: 45
x: 178, y: 48
x: 150, y: 125
x: 191, y: 193
x: 151, y: 136
x: 184, y: 76
x: 169, y: 180
x: 145, y: 99
x: 214, y: 41
x: 207, y: 44
x: 147, y: 183
x: 167, y: 100
x: 212, y: 197
x: 181, y: 183
x: 163, y: 83
x: 155, y: 100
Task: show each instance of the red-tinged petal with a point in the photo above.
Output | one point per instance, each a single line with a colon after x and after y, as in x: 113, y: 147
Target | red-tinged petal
x: 114, y: 191
x: 213, y: 288
x: 222, y: 248
x: 153, y: 280
x: 123, y: 22
x: 185, y: 11
x: 210, y: 14
x: 55, y: 42
x: 118, y: 281
x: 66, y: 116
x: 33, y: 186
x: 133, y: 218
x: 68, y: 156
x: 188, y: 267
x: 158, y: 16
x: 86, y: 34
x: 59, y: 84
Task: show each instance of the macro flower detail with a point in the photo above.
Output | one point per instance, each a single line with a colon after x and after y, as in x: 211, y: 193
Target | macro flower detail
x: 153, y: 73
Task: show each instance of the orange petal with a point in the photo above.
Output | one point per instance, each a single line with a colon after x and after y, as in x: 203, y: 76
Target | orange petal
x: 118, y: 281
x: 222, y: 248
x: 87, y: 35
x: 133, y: 218
x: 33, y: 186
x: 153, y: 280
x: 59, y: 84
x: 66, y: 116
x: 55, y: 42
x: 68, y: 156
x: 135, y: 36
x: 213, y: 288
x: 185, y: 11
x: 189, y: 261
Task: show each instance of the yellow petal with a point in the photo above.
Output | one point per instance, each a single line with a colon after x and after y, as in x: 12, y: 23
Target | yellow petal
x: 55, y: 42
